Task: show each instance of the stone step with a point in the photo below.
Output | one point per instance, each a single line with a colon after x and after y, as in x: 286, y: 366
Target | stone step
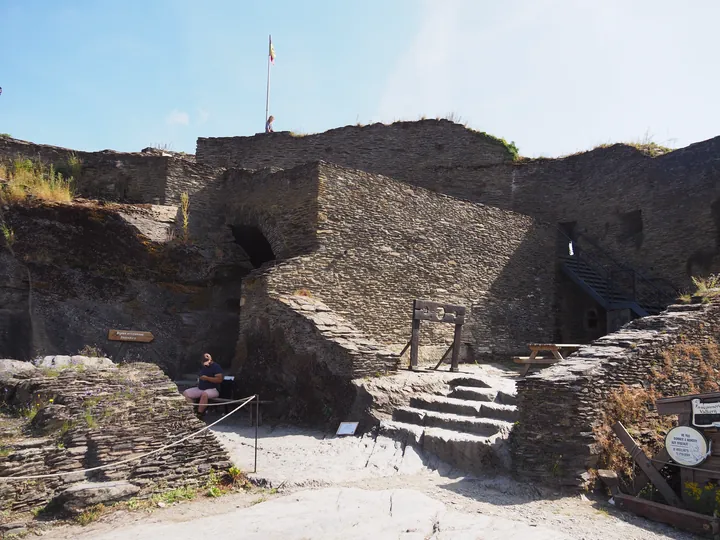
x: 468, y: 381
x: 473, y: 393
x: 466, y: 424
x: 447, y: 405
x: 508, y: 413
x: 465, y: 407
x: 506, y: 399
x: 401, y: 431
x: 465, y: 451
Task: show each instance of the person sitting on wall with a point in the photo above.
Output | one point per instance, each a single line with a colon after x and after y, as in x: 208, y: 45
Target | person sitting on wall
x: 268, y: 124
x: 209, y: 381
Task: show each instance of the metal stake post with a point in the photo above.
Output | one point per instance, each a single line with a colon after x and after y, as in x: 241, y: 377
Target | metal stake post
x: 257, y: 422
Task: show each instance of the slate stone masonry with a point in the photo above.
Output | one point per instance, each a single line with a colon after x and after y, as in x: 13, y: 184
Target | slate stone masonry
x: 90, y: 416
x: 553, y: 439
x: 367, y: 246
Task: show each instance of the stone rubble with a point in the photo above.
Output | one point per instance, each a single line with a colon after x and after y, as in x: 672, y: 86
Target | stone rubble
x: 89, y: 413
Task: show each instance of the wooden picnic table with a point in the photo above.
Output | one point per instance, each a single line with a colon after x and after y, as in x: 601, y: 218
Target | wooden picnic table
x: 558, y: 351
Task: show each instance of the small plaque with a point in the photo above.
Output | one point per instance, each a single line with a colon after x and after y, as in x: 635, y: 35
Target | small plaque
x: 686, y: 446
x: 130, y: 335
x: 705, y: 414
x: 347, y: 428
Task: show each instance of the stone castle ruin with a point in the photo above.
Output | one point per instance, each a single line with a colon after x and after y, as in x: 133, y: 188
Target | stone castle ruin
x: 303, y: 255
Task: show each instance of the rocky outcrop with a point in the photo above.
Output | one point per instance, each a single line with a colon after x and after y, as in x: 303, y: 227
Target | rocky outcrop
x: 66, y: 419
x: 78, y: 270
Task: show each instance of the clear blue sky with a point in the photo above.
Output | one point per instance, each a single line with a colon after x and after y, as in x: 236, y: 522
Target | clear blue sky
x: 555, y: 76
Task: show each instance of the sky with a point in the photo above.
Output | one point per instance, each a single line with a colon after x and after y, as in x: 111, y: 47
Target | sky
x: 554, y: 76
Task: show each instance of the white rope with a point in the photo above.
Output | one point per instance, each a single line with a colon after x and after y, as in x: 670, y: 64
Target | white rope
x: 136, y: 458
x: 208, y: 404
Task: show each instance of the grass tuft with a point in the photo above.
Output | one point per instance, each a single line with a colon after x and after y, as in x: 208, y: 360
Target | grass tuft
x: 28, y: 179
x: 176, y: 495
x: 91, y: 514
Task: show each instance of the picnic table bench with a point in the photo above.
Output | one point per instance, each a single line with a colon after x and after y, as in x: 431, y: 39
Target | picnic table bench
x: 553, y: 348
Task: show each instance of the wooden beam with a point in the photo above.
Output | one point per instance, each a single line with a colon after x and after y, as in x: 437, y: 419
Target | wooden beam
x: 677, y: 517
x: 646, y: 465
x: 414, y: 344
x: 641, y: 479
x: 443, y: 357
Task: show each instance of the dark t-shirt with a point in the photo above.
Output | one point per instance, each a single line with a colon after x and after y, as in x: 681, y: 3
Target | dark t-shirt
x: 210, y: 371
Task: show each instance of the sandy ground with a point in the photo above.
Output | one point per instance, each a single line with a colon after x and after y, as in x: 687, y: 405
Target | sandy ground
x: 310, y: 468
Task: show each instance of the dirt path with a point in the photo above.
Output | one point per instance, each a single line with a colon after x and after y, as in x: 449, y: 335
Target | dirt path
x: 305, y: 463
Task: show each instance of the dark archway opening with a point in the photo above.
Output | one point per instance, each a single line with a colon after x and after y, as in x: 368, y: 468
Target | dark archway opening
x: 254, y: 243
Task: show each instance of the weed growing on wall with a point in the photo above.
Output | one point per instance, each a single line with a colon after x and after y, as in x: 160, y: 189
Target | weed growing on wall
x: 74, y: 164
x: 8, y: 234
x: 511, y: 147
x: 705, y: 289
x: 634, y: 407
x: 185, y: 209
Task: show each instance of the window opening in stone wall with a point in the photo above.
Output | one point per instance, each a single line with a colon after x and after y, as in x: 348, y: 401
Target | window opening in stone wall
x: 591, y: 319
x: 254, y: 243
x: 631, y: 225
x: 567, y: 238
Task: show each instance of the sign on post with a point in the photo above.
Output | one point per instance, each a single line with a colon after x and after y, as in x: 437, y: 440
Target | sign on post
x: 705, y: 414
x: 130, y: 335
x: 686, y: 446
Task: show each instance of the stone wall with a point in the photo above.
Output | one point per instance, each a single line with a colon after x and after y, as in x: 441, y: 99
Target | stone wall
x: 75, y: 403
x: 151, y: 176
x: 553, y: 440
x: 401, y: 150
x: 106, y: 175
x: 367, y: 246
x: 296, y: 352
x: 658, y: 214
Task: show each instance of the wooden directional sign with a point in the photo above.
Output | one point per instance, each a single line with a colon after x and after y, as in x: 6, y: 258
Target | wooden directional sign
x: 130, y: 335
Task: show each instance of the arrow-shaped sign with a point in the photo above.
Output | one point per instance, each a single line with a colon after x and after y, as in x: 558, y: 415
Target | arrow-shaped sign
x: 130, y: 335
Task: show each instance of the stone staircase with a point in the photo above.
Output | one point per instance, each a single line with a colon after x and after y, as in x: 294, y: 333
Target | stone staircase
x: 465, y: 425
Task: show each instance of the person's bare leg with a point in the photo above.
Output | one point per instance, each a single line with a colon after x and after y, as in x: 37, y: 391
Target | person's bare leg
x: 203, y: 402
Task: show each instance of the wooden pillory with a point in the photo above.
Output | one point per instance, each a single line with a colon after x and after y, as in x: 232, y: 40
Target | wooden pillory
x: 692, y: 450
x: 424, y: 310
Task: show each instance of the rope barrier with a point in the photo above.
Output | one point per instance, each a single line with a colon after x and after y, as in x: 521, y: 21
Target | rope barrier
x: 208, y: 404
x: 136, y: 458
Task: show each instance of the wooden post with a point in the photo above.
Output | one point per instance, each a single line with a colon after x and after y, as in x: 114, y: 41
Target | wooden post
x: 257, y: 423
x: 414, y: 344
x: 456, y: 349
x: 686, y: 474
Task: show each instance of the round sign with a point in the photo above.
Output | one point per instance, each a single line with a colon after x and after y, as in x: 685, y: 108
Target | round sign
x: 686, y: 446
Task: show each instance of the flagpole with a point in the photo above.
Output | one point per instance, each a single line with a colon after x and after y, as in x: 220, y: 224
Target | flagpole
x: 267, y: 93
